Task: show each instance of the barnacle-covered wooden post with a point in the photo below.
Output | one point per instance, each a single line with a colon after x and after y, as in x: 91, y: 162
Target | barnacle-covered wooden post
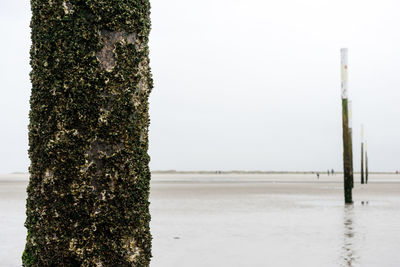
x: 347, y: 154
x: 366, y: 163
x: 362, y: 154
x: 88, y: 193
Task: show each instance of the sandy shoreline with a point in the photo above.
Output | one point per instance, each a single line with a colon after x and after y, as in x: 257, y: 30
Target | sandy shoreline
x: 249, y: 220
x: 240, y: 176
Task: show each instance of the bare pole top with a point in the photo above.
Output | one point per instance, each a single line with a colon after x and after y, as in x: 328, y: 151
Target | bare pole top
x: 344, y: 72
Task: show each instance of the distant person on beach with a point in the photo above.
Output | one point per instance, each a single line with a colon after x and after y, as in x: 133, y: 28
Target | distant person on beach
x: 328, y: 172
x: 317, y: 175
x: 332, y: 172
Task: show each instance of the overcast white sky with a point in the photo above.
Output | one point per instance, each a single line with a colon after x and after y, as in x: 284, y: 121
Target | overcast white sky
x: 244, y: 84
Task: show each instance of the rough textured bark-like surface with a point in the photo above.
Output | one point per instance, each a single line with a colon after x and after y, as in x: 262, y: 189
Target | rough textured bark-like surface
x: 88, y: 193
x: 347, y: 164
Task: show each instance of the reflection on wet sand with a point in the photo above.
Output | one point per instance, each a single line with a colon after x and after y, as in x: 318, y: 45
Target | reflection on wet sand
x: 348, y: 254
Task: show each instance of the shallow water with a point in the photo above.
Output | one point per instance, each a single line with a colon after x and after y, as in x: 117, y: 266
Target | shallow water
x: 239, y: 220
x: 263, y: 223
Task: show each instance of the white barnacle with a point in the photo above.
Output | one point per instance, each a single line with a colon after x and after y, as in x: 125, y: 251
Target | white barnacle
x: 72, y: 244
x: 67, y: 8
x: 133, y: 251
x: 48, y: 176
x: 103, y: 195
x: 136, y: 101
x: 136, y: 253
x: 79, y: 251
x: 104, y: 114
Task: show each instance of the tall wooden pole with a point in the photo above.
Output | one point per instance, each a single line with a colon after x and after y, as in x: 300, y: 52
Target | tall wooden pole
x: 88, y: 194
x: 350, y: 103
x: 362, y: 154
x: 348, y: 199
x: 366, y: 163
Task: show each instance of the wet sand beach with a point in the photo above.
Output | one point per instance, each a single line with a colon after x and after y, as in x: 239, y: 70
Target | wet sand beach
x: 249, y: 220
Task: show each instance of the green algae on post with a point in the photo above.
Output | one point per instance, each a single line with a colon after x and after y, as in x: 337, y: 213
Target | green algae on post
x: 88, y: 195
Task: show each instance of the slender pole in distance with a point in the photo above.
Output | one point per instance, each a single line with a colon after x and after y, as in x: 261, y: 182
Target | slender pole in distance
x: 362, y: 154
x: 350, y: 106
x: 348, y: 199
x: 366, y: 163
